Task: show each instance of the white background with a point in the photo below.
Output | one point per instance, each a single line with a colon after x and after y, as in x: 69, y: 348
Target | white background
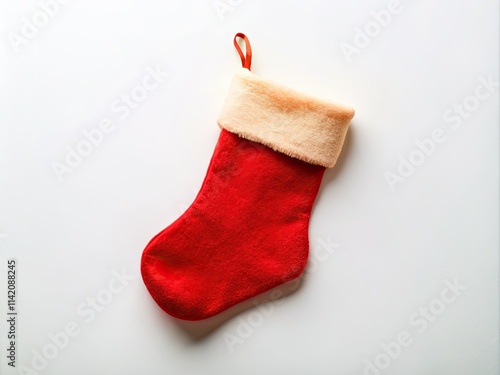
x: 393, y: 250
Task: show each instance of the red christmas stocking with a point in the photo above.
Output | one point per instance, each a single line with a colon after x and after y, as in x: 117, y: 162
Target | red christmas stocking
x: 247, y: 230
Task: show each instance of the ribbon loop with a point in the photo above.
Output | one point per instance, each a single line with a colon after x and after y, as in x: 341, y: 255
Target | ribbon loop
x: 246, y: 60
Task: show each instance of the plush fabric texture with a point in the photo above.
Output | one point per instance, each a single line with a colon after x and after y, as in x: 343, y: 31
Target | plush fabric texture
x: 298, y: 125
x: 245, y: 233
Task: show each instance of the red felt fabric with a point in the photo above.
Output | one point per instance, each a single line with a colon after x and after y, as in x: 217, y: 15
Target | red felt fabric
x: 245, y: 233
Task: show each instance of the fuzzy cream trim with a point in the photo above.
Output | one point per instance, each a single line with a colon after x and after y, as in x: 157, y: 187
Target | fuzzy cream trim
x: 298, y: 125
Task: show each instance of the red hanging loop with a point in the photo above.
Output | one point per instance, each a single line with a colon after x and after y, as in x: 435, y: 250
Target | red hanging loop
x: 246, y: 60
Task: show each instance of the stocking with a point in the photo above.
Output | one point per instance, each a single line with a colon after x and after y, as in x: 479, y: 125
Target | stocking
x: 247, y: 229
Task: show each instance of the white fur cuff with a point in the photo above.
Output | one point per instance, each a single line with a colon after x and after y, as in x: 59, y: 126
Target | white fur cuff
x: 303, y: 127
